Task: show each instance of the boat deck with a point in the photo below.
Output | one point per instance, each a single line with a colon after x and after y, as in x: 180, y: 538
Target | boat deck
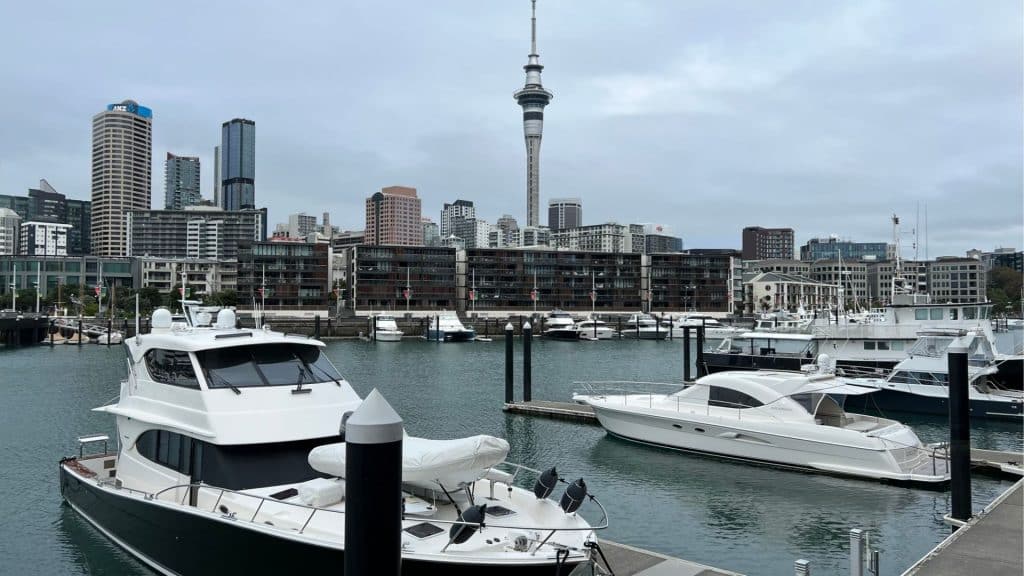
x: 627, y: 560
x: 990, y: 543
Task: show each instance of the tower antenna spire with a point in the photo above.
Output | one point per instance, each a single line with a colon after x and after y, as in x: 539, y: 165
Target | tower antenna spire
x: 533, y: 27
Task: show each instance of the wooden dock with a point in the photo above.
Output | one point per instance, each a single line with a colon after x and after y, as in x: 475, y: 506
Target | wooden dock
x: 990, y: 543
x: 548, y: 409
x: 626, y: 560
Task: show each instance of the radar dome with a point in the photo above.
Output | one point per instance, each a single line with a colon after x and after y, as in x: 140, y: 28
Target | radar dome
x: 161, y: 319
x: 226, y: 318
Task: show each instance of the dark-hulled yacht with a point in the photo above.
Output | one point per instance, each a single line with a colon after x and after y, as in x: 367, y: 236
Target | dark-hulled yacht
x: 229, y: 461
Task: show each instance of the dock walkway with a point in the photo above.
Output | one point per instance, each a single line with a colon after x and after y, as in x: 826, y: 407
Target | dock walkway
x: 991, y: 543
x: 631, y: 561
x: 559, y: 410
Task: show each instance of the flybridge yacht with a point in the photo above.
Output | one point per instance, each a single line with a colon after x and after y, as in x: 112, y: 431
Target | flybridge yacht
x: 778, y: 418
x: 385, y: 329
x: 560, y: 326
x: 446, y: 327
x: 229, y: 461
x: 643, y: 327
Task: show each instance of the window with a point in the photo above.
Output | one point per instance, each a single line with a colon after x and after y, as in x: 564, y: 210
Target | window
x: 266, y: 365
x: 175, y: 451
x: 728, y: 398
x: 936, y: 313
x: 921, y: 314
x: 869, y: 345
x: 970, y: 313
x: 897, y: 345
x: 953, y: 313
x: 171, y: 367
x: 883, y: 345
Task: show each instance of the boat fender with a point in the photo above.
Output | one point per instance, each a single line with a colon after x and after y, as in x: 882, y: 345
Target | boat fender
x: 545, y: 483
x: 573, y: 496
x: 459, y: 533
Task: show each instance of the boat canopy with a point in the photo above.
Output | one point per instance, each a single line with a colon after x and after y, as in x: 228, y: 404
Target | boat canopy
x: 769, y: 387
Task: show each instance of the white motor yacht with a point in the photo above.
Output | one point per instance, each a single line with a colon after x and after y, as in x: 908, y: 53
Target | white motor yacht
x: 446, y: 327
x: 643, y: 327
x: 594, y: 329
x: 385, y: 329
x: 777, y: 418
x: 229, y: 461
x: 713, y: 329
x: 559, y: 325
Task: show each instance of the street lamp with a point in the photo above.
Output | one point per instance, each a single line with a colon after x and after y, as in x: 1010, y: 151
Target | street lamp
x: 689, y: 294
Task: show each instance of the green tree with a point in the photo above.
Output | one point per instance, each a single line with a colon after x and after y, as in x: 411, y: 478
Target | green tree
x: 1004, y: 290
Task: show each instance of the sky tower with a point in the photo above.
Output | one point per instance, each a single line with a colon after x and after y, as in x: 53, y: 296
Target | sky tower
x: 533, y: 98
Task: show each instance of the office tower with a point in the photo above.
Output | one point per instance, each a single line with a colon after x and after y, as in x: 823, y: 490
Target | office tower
x: 565, y: 213
x: 767, y: 243
x: 122, y: 165
x: 238, y: 159
x: 216, y: 177
x: 43, y: 239
x: 181, y: 182
x: 458, y: 210
x: 431, y: 234
x: 533, y: 98
x: 393, y: 216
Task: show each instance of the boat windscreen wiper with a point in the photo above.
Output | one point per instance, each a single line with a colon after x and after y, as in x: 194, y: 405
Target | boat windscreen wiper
x: 324, y: 372
x: 298, y: 383
x: 223, y: 381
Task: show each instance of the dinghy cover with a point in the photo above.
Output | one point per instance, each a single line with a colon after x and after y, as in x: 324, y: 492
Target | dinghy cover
x: 427, y: 462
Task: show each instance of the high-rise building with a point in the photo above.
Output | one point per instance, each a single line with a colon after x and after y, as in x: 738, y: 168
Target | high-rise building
x: 431, y: 234
x: 43, y: 239
x: 472, y: 231
x: 533, y: 98
x: 832, y: 248
x: 45, y: 204
x: 216, y: 177
x: 565, y: 213
x: 394, y: 216
x: 455, y: 211
x: 238, y: 159
x: 181, y: 182
x: 122, y: 166
x: 196, y: 232
x: 767, y: 243
x: 301, y: 225
x: 9, y: 226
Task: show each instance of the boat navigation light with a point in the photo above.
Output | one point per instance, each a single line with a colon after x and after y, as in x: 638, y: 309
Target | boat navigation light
x: 574, y: 496
x: 545, y: 483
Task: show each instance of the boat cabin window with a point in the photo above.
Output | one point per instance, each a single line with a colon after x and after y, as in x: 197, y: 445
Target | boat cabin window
x: 729, y: 398
x: 926, y: 378
x: 171, y: 367
x: 935, y: 313
x: 953, y: 313
x: 920, y: 314
x: 237, y: 467
x: 970, y: 313
x: 266, y: 365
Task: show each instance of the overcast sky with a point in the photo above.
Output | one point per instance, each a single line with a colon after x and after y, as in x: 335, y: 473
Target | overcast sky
x: 705, y: 116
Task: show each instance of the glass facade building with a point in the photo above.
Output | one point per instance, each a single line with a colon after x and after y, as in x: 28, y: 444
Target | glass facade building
x: 238, y: 164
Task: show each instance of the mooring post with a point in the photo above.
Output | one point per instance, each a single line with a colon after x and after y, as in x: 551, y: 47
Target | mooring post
x: 509, y: 361
x: 110, y: 329
x: 620, y: 326
x: 438, y: 336
x: 671, y: 328
x: 373, y: 329
x: 373, y: 489
x: 657, y: 327
x: 686, y: 354
x: 637, y: 326
x: 51, y: 332
x: 79, y: 331
x: 802, y: 568
x: 959, y: 431
x: 527, y: 363
x: 701, y: 369
x: 856, y: 552
x: 593, y: 320
x: 316, y: 327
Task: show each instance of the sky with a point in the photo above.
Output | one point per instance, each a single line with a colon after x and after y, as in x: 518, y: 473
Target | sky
x: 704, y: 116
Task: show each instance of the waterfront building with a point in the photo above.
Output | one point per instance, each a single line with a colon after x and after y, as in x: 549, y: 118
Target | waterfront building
x: 957, y: 279
x: 216, y: 177
x: 565, y: 213
x: 780, y: 265
x: 1000, y: 257
x: 880, y: 274
x: 661, y: 243
x: 83, y: 271
x: 181, y: 182
x: 204, y: 276
x: 675, y: 281
x: 346, y: 238
x: 533, y: 237
x: 9, y: 228
x: 122, y: 165
x: 832, y: 248
x: 473, y: 232
x: 610, y: 237
x: 394, y: 217
x: 45, y: 204
x: 770, y: 291
x: 196, y: 232
x: 238, y: 159
x: 533, y: 98
x: 378, y: 276
x: 43, y: 239
x: 431, y: 233
x: 851, y: 276
x: 767, y: 243
x: 297, y: 274
x: 450, y: 213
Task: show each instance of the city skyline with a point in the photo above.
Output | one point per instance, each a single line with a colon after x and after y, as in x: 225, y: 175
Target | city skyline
x: 695, y: 117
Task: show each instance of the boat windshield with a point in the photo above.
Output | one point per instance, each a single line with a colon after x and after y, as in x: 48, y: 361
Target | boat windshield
x: 773, y: 347
x: 266, y: 365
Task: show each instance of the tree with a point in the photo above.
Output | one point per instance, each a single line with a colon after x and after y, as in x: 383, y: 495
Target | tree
x: 1004, y: 290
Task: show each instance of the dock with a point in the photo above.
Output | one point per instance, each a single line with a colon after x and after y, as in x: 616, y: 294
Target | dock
x: 624, y: 560
x: 548, y: 409
x: 990, y: 543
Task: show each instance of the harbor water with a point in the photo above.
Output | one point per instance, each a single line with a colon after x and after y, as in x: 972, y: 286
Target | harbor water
x: 750, y: 519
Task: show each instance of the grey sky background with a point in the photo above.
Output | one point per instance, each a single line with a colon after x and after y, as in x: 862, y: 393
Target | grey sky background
x: 706, y: 116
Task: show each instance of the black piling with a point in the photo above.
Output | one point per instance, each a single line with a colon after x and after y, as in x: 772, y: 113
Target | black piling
x: 79, y: 332
x: 620, y: 326
x: 373, y: 329
x: 51, y: 333
x: 671, y: 328
x: 959, y: 432
x: 110, y: 330
x: 316, y: 327
x: 686, y: 354
x: 509, y: 360
x: 527, y: 363
x: 700, y: 350
x: 373, y: 489
x: 437, y: 334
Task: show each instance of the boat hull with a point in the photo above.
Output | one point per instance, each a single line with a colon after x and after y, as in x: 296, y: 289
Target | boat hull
x: 718, y: 362
x: 561, y: 334
x: 173, y: 539
x: 644, y: 334
x: 762, y: 446
x: 450, y: 336
x: 386, y: 336
x: 899, y: 401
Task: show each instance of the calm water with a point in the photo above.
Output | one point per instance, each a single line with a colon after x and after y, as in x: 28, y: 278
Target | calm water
x: 750, y: 519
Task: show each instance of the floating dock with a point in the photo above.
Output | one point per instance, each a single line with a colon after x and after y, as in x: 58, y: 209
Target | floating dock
x: 626, y: 560
x: 990, y: 543
x: 548, y: 409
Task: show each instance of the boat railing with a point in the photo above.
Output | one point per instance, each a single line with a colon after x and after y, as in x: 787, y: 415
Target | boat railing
x: 632, y: 391
x: 260, y: 500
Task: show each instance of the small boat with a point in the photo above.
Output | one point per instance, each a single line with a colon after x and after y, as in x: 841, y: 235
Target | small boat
x: 560, y: 326
x: 783, y: 419
x: 594, y: 329
x: 385, y: 329
x: 713, y: 329
x: 76, y: 337
x: 446, y: 327
x: 643, y: 327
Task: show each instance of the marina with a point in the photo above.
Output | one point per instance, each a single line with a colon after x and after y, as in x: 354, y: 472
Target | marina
x: 705, y: 511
